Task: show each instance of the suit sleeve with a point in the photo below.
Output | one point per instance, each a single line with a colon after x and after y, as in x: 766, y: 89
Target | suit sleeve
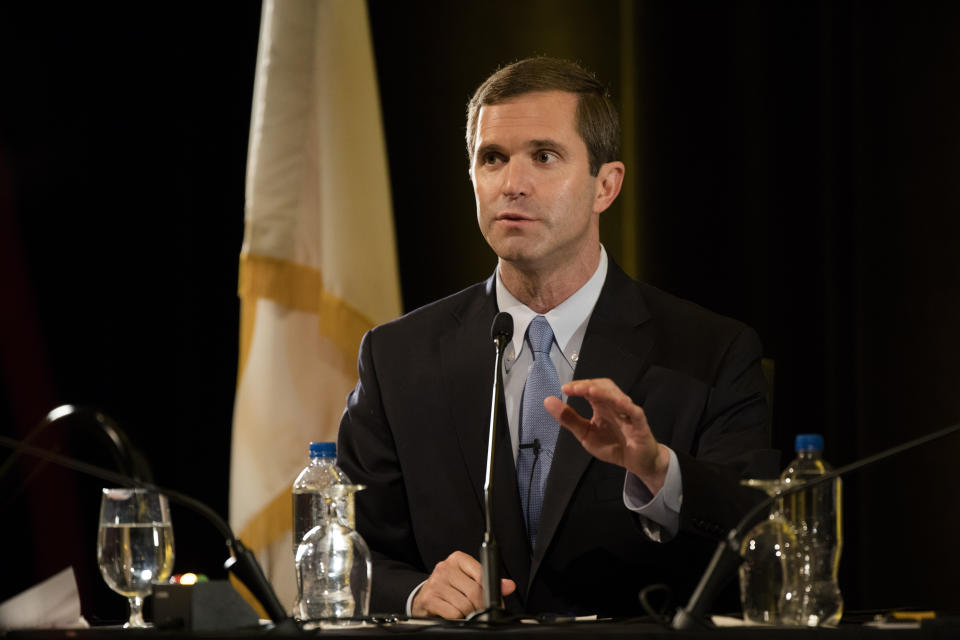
x: 367, y: 454
x: 733, y: 442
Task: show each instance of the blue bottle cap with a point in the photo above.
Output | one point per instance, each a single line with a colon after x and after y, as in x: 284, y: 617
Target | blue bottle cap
x: 809, y: 442
x: 323, y: 449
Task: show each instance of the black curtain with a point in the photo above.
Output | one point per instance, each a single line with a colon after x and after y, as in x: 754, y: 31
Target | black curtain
x: 123, y: 135
x: 794, y: 166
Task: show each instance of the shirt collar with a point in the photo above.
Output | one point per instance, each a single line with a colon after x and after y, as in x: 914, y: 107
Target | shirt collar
x: 565, y: 318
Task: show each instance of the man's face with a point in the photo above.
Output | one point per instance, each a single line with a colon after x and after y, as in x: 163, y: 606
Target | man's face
x: 531, y: 176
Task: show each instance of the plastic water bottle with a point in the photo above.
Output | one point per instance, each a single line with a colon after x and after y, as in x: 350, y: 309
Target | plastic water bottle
x: 309, y: 508
x: 333, y: 566
x: 813, y: 597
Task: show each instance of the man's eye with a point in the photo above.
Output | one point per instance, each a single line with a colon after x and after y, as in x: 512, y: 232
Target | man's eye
x: 545, y: 157
x: 491, y: 158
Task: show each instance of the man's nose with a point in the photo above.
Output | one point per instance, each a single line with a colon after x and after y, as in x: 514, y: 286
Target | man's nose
x: 517, y: 179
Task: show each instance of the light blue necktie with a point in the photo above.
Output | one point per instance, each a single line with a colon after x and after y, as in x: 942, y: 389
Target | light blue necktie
x: 538, y: 429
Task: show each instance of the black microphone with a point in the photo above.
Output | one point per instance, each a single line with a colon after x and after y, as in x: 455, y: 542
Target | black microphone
x: 500, y: 332
x: 242, y: 563
x: 727, y: 556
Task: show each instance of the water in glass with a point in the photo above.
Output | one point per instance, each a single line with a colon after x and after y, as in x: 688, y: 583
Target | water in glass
x: 134, y: 545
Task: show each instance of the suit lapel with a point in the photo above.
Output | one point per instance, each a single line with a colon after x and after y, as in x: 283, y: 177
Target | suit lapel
x: 466, y: 370
x: 467, y: 373
x: 614, y: 346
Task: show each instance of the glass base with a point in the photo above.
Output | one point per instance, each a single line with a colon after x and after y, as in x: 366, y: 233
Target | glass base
x: 136, y: 620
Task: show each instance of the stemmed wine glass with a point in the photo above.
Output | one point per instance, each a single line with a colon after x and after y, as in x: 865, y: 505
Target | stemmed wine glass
x: 134, y: 545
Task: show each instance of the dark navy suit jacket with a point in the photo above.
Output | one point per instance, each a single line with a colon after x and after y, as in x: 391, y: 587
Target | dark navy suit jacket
x: 415, y: 432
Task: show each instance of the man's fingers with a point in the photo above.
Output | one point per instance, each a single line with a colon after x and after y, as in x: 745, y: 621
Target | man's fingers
x: 438, y: 597
x: 468, y: 565
x: 598, y: 389
x: 453, y: 589
x: 436, y: 605
x: 617, y: 432
x: 443, y: 601
x: 554, y: 406
x: 591, y: 388
x: 566, y: 415
x: 466, y: 578
x: 440, y: 600
x: 605, y: 396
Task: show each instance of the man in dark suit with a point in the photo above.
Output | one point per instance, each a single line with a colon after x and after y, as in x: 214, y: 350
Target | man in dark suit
x: 662, y: 402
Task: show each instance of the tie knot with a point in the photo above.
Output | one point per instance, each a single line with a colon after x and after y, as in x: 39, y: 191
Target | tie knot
x: 540, y: 335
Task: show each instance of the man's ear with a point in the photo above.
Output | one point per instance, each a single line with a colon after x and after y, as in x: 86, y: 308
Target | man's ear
x: 609, y: 181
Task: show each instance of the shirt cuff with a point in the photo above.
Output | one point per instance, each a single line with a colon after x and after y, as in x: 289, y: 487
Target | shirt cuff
x: 413, y: 594
x: 660, y: 513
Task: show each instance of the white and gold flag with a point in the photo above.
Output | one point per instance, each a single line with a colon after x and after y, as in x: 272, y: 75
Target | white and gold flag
x: 318, y: 265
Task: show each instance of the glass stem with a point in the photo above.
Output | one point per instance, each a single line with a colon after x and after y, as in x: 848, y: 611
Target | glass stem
x: 136, y: 614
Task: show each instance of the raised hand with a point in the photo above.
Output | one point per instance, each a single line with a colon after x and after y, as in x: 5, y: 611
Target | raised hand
x: 617, y: 433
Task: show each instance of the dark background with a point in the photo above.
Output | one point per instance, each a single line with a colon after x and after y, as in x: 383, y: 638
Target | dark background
x: 792, y: 164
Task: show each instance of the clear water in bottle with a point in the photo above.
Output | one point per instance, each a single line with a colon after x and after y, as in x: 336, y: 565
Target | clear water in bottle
x: 813, y: 598
x: 308, y: 488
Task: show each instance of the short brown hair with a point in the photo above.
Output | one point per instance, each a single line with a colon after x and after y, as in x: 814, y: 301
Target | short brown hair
x: 596, y: 118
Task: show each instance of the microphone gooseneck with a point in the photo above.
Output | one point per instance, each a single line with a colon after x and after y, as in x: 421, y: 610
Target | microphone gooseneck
x: 127, y: 459
x: 727, y: 556
x: 242, y: 563
x: 500, y: 332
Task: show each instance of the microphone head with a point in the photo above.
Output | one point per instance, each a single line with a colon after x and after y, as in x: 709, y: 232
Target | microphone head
x: 502, y: 329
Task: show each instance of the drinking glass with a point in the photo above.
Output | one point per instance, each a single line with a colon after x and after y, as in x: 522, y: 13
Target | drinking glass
x: 334, y: 566
x: 767, y: 569
x: 134, y: 545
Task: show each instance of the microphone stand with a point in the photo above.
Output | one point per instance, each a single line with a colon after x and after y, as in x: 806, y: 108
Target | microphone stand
x: 242, y: 563
x: 502, y: 331
x: 727, y: 556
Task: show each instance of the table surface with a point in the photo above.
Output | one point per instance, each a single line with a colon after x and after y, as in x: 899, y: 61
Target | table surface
x: 933, y: 629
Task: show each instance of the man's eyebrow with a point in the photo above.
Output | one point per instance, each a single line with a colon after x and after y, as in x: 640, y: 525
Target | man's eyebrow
x: 547, y: 143
x: 488, y: 148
